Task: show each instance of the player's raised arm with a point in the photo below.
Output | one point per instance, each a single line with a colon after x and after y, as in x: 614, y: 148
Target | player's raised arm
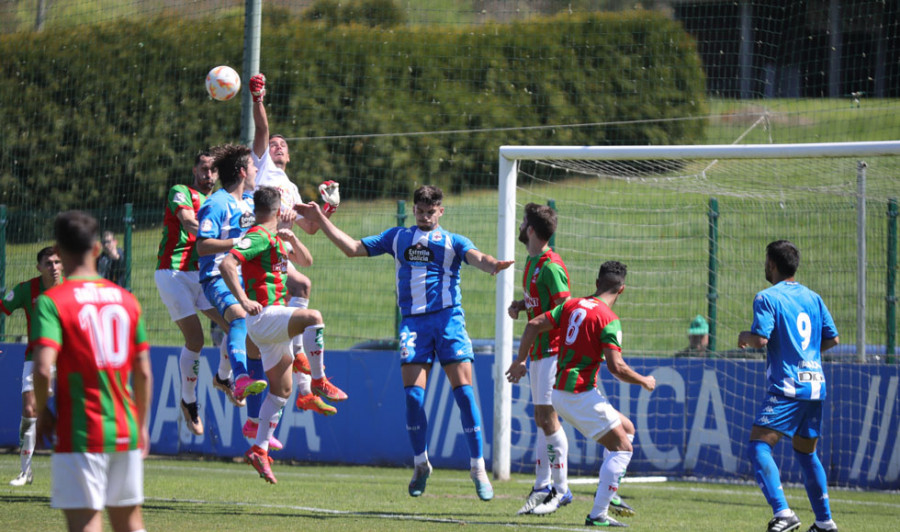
x: 260, y: 118
x: 487, y: 263
x: 299, y: 253
x: 344, y: 242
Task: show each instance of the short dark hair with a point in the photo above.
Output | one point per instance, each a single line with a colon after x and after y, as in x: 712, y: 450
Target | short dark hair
x: 44, y: 253
x: 611, y: 277
x: 201, y: 154
x: 429, y: 195
x: 542, y: 219
x: 785, y: 255
x: 75, y: 231
x: 228, y: 160
x: 277, y: 136
x: 266, y: 200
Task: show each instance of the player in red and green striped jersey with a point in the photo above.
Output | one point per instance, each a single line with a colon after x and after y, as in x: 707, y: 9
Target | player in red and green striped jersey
x: 590, y: 334
x: 23, y: 296
x: 263, y: 254
x: 177, y: 279
x: 545, y: 282
x: 92, y: 330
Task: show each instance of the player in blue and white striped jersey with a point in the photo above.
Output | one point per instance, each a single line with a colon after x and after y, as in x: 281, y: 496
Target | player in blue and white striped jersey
x: 794, y: 325
x: 427, y: 260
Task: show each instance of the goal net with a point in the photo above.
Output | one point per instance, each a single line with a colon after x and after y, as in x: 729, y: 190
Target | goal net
x: 691, y: 223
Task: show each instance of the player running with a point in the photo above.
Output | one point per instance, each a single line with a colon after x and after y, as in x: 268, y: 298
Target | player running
x: 794, y: 325
x: 178, y: 282
x: 271, y: 156
x: 23, y: 296
x: 263, y: 256
x: 591, y: 333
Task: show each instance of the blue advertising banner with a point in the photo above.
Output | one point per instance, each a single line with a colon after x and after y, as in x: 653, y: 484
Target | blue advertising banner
x: 695, y: 424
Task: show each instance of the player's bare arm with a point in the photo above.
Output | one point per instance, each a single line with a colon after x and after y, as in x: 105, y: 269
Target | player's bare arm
x: 188, y: 220
x: 748, y: 339
x: 257, y: 87
x: 536, y: 326
x: 211, y: 246
x: 622, y: 371
x: 228, y: 269
x: 142, y: 384
x: 828, y: 343
x: 515, y: 308
x: 44, y: 358
x: 349, y: 246
x: 487, y: 263
x: 299, y: 253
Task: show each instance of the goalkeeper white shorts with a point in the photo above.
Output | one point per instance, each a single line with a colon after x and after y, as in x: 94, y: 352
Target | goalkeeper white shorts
x: 542, y: 374
x: 589, y: 412
x: 269, y: 331
x: 181, y: 293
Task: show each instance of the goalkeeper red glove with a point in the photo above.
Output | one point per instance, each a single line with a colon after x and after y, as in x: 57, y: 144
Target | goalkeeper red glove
x: 331, y: 195
x: 258, y: 87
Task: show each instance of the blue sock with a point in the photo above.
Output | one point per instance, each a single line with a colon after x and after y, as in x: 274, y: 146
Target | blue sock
x: 816, y: 484
x: 254, y: 402
x: 471, y: 419
x: 237, y: 346
x: 767, y: 475
x: 416, y: 420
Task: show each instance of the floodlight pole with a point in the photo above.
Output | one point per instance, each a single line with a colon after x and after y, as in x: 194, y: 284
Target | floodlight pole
x: 252, y: 33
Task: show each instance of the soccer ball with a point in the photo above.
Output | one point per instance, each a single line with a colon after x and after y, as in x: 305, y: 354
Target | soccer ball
x: 222, y: 83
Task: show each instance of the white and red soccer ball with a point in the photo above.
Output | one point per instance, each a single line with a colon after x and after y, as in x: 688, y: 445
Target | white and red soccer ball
x: 222, y: 83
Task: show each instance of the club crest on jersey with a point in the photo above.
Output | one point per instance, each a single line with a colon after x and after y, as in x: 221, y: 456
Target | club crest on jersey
x: 418, y: 254
x: 534, y: 276
x: 436, y: 237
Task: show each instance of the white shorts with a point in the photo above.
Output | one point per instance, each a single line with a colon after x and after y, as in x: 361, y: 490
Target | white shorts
x: 543, y: 375
x: 269, y: 331
x: 181, y: 292
x: 96, y: 480
x: 589, y: 412
x: 28, y: 376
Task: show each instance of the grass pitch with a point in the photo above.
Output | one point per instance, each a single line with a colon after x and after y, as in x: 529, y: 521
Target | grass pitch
x: 195, y: 495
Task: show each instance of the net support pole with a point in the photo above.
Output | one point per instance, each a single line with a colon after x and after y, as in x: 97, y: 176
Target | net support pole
x: 861, y: 261
x: 3, y: 224
x: 552, y: 242
x: 401, y: 221
x: 890, y: 297
x: 129, y: 233
x: 712, y: 294
x: 252, y: 32
x: 503, y: 326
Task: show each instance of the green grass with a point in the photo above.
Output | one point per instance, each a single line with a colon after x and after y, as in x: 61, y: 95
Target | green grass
x: 189, y: 495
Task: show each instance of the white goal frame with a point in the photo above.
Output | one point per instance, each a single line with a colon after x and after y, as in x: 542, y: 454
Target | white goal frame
x: 507, y: 233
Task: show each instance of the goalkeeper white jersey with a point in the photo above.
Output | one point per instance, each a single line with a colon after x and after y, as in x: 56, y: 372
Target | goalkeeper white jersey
x: 269, y: 175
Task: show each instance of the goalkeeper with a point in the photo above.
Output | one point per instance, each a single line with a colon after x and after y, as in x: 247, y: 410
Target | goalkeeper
x: 271, y: 156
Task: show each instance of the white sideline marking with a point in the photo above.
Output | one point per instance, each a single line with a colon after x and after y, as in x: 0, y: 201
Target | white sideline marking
x: 626, y: 480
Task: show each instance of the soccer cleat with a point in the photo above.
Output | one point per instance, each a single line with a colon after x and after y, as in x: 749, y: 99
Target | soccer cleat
x: 24, y: 477
x: 784, y: 524
x: 301, y: 363
x: 323, y: 388
x: 245, y: 385
x: 191, y: 417
x: 249, y: 431
x: 226, y: 387
x: 620, y: 508
x: 420, y: 476
x: 259, y: 459
x: 606, y: 521
x: 482, y: 484
x: 536, y: 497
x: 817, y: 528
x: 553, y: 502
x: 315, y: 403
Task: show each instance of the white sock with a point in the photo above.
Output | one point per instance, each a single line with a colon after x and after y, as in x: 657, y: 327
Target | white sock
x: 314, y: 344
x: 297, y: 341
x: 27, y: 430
x: 477, y: 463
x: 269, y: 414
x: 606, y: 451
x: 420, y: 458
x: 189, y: 361
x: 224, y: 371
x: 303, y: 382
x: 612, y: 470
x: 558, y: 451
x: 826, y: 525
x: 784, y: 513
x: 542, y: 462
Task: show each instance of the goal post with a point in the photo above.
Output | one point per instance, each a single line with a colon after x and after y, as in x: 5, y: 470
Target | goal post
x: 776, y: 174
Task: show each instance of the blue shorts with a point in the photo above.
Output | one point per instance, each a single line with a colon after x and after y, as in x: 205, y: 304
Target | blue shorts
x: 442, y: 333
x: 217, y: 293
x: 791, y: 416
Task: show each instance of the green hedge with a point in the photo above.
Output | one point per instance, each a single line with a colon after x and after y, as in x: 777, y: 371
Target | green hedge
x: 97, y: 116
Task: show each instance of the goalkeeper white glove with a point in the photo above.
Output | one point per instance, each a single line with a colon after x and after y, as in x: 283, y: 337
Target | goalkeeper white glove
x: 331, y: 195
